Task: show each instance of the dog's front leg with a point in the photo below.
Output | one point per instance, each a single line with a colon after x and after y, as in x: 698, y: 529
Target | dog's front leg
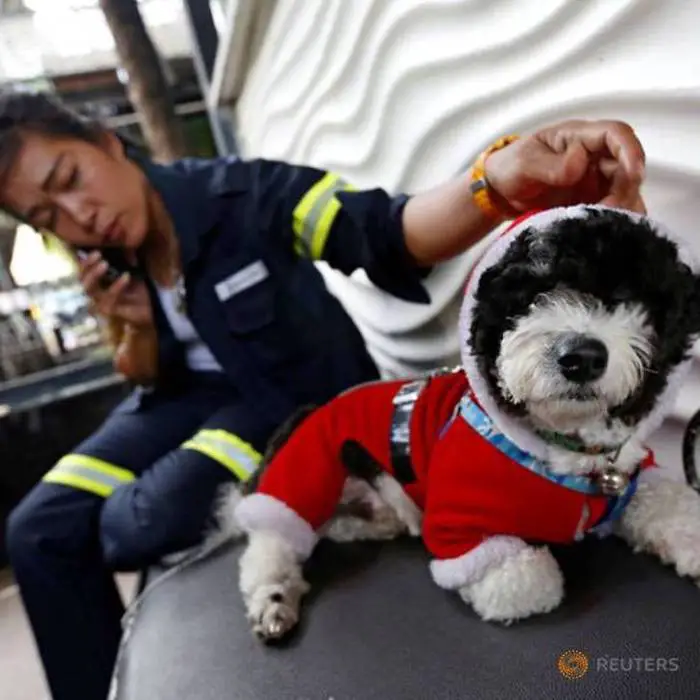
x: 272, y: 583
x: 504, y: 579
x: 663, y: 518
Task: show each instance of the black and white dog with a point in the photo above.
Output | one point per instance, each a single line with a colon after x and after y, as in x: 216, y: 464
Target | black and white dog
x: 576, y: 332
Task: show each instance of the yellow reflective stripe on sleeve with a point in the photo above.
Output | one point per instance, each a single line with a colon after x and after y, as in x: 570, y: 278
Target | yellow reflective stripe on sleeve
x: 88, y: 474
x: 301, y: 216
x: 79, y: 482
x: 313, y: 217
x: 323, y: 227
x: 238, y: 456
x: 245, y: 448
x: 211, y: 452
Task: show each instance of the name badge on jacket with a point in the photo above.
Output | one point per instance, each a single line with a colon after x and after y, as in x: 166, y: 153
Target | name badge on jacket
x: 240, y: 281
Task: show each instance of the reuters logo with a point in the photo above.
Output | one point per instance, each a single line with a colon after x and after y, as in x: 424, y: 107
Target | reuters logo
x: 573, y: 664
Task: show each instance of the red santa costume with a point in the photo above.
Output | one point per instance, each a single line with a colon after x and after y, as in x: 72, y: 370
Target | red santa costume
x: 478, y: 474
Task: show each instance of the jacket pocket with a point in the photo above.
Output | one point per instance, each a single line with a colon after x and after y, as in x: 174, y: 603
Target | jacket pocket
x: 252, y: 308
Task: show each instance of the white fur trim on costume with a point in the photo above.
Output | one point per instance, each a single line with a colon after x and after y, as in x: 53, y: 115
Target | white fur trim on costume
x: 470, y: 567
x: 259, y: 512
x: 527, y: 583
x: 511, y: 426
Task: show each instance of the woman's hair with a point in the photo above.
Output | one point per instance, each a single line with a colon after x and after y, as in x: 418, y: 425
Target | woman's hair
x: 40, y: 113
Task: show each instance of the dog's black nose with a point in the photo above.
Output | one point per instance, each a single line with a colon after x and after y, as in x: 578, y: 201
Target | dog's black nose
x: 582, y: 358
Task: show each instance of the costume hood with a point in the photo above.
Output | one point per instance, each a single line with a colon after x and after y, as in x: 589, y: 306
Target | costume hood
x: 511, y: 426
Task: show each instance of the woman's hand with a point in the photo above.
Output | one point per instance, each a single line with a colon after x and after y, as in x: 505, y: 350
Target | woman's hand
x: 573, y: 162
x: 127, y: 307
x: 126, y: 299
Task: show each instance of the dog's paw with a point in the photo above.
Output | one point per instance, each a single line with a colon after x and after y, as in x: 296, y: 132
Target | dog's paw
x: 683, y: 551
x: 273, y: 619
x: 674, y: 543
x: 663, y: 518
x: 528, y: 583
x: 273, y: 613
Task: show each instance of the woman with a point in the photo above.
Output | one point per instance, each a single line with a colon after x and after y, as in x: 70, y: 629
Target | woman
x: 227, y: 326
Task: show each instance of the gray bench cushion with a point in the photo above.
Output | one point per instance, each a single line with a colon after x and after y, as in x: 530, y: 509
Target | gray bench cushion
x: 377, y: 628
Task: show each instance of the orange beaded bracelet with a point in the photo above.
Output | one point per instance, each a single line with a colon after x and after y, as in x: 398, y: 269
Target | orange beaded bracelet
x: 479, y: 186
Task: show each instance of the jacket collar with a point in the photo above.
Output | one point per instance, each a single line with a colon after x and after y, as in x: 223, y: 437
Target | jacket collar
x: 193, y: 192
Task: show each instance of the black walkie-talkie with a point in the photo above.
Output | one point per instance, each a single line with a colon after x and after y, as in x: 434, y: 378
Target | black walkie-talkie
x: 116, y: 262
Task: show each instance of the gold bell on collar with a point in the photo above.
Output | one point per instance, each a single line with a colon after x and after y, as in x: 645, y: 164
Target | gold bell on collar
x: 612, y: 482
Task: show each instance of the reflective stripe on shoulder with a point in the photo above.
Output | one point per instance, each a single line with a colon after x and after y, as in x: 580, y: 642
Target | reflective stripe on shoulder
x: 238, y: 456
x: 89, y: 474
x: 315, y: 213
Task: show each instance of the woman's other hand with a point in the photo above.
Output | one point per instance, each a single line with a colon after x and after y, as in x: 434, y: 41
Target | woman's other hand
x: 573, y: 162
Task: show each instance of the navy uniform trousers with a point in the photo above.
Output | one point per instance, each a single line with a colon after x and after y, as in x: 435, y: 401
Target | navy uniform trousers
x: 141, y: 487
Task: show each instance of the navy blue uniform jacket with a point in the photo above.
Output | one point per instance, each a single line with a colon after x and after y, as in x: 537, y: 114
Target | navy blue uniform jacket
x: 249, y: 234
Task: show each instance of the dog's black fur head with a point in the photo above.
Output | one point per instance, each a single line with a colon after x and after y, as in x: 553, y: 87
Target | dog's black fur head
x: 610, y: 258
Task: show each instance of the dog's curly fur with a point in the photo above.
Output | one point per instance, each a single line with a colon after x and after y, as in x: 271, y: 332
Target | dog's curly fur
x: 613, y: 260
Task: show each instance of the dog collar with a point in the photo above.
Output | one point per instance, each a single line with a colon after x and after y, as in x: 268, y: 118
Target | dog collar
x: 609, y: 482
x: 572, y: 443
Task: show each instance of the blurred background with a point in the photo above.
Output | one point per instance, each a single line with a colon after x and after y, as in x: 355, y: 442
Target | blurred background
x: 143, y: 68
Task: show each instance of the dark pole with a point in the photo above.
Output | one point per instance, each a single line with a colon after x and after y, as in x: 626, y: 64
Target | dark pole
x: 147, y: 86
x: 205, y: 41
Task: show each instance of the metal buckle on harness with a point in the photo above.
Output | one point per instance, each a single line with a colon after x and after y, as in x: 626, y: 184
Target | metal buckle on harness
x: 408, y: 393
x: 400, y: 435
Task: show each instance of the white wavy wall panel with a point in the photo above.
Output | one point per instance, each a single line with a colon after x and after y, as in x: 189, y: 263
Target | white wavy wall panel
x: 404, y: 93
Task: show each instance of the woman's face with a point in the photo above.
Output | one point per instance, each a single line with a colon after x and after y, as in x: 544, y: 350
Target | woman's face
x: 89, y: 195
